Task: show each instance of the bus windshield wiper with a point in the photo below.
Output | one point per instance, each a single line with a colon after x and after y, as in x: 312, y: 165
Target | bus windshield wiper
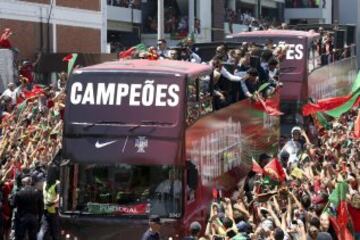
x: 146, y: 122
x: 90, y: 125
x: 149, y: 123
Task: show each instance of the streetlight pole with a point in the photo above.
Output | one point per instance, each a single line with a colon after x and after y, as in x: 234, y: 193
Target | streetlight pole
x: 259, y: 9
x: 160, y: 19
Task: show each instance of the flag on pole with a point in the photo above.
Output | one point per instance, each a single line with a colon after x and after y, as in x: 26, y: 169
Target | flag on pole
x: 256, y: 167
x: 335, y: 106
x: 322, y: 120
x: 129, y: 52
x: 324, y: 105
x: 338, y: 199
x: 337, y: 112
x: 275, y: 170
x: 70, y: 59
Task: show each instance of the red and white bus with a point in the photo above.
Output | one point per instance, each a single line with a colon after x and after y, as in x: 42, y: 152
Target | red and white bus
x: 141, y: 137
x: 301, y: 73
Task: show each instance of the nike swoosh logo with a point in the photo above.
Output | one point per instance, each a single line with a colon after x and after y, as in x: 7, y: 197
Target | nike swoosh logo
x: 101, y: 145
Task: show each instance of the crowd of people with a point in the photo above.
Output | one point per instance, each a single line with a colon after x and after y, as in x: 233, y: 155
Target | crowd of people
x: 308, y: 190
x: 247, y: 18
x: 314, y: 194
x: 125, y: 3
x: 31, y: 133
x: 240, y: 17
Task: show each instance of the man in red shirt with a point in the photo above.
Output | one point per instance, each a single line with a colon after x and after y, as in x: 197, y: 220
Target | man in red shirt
x: 4, y: 39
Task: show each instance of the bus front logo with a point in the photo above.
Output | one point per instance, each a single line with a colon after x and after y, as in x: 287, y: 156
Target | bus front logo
x: 141, y: 143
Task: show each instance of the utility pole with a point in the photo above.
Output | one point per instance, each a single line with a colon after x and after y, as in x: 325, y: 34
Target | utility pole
x: 160, y: 19
x: 259, y: 9
x: 191, y: 15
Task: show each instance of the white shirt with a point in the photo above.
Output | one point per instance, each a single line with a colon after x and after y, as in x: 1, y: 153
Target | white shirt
x: 10, y: 94
x: 194, y: 58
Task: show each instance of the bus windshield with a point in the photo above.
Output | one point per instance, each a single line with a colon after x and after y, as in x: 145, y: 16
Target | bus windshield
x: 122, y: 190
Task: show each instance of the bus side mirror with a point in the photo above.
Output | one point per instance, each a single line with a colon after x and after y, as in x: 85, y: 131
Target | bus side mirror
x: 192, y: 175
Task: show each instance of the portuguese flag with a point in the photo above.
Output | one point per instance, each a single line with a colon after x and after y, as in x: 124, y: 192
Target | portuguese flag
x: 275, y: 170
x: 256, y: 167
x: 70, y: 59
x: 269, y: 105
x: 324, y: 105
x: 322, y: 121
x: 338, y: 199
x: 129, y: 53
x: 335, y: 106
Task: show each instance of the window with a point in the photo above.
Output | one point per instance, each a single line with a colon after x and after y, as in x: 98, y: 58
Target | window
x: 122, y: 190
x: 199, y: 100
x: 302, y: 4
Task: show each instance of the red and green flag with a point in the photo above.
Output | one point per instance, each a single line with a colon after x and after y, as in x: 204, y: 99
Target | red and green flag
x: 324, y: 105
x: 337, y: 112
x: 323, y: 121
x: 130, y: 52
x: 335, y: 106
x: 338, y: 199
x: 339, y: 193
x: 275, y: 170
x: 270, y: 105
x: 256, y: 167
x: 70, y: 59
x: 35, y: 91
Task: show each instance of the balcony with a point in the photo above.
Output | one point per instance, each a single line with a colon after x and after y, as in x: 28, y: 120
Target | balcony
x: 308, y: 13
x: 123, y: 14
x: 237, y: 28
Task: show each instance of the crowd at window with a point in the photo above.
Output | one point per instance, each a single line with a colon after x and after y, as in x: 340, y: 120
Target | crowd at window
x: 125, y: 3
x: 304, y: 3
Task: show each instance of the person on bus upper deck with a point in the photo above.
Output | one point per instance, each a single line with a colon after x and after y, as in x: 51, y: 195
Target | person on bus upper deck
x: 256, y: 53
x: 221, y: 82
x: 234, y: 60
x: 193, y: 57
x: 153, y: 233
x: 249, y: 85
x: 162, y: 49
x: 221, y: 53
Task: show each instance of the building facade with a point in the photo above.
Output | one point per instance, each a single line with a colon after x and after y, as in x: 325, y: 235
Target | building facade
x: 55, y: 25
x: 309, y: 11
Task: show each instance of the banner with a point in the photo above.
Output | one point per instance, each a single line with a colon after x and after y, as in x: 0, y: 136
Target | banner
x: 114, y: 209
